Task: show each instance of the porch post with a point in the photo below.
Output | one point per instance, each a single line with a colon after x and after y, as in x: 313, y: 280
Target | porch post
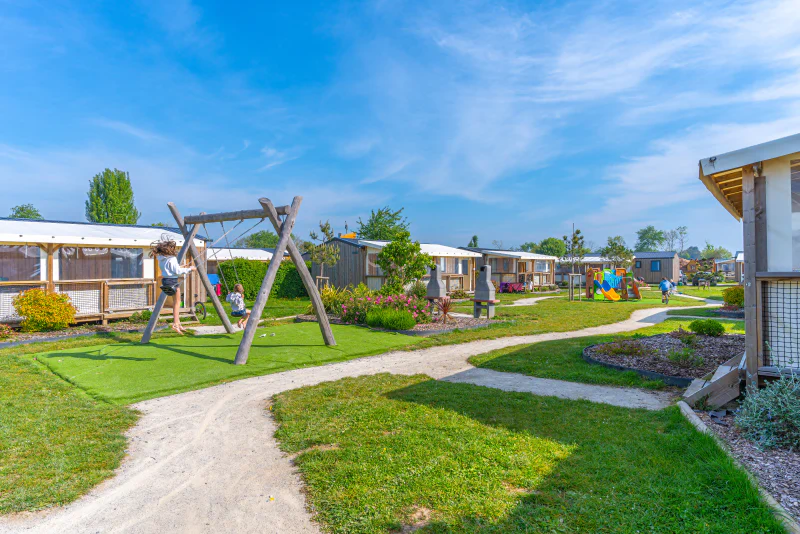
x: 750, y: 289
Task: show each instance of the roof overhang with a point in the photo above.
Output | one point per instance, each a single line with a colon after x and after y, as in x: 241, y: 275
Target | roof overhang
x: 722, y: 174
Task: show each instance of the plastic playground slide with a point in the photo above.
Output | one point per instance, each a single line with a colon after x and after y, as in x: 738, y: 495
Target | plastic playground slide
x: 607, y: 291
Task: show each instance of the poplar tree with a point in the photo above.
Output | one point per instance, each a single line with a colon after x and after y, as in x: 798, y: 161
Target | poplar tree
x: 110, y: 199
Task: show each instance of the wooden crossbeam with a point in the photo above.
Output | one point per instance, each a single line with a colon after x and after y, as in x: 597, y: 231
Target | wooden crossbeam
x: 231, y: 215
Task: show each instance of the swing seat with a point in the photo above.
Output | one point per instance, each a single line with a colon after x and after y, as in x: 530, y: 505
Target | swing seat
x: 168, y: 290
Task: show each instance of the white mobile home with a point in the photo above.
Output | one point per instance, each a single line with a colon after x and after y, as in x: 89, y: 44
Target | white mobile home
x: 105, y: 269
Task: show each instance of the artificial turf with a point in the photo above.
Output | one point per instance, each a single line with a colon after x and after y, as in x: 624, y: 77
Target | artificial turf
x: 124, y: 373
x: 391, y: 453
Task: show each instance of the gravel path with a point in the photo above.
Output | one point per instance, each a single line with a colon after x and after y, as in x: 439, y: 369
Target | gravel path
x: 206, y: 461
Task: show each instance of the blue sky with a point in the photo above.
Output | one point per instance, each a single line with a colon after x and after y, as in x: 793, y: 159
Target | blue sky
x: 508, y: 120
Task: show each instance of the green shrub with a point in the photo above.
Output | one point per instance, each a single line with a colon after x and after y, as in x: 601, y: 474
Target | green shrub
x: 707, y: 327
x: 417, y: 289
x: 459, y: 294
x: 770, y: 416
x: 685, y: 358
x: 391, y: 319
x: 734, y: 296
x: 44, y: 312
x: 287, y: 285
x: 6, y: 332
x: 140, y: 317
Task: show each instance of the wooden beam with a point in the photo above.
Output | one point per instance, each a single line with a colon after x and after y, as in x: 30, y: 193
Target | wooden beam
x: 284, y: 237
x: 750, y: 290
x: 231, y: 216
x: 305, y: 276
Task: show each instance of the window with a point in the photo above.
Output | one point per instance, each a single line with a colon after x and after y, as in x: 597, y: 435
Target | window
x: 655, y: 266
x: 464, y: 267
x: 542, y: 266
x: 443, y: 265
x: 19, y: 263
x: 87, y: 263
x: 638, y: 264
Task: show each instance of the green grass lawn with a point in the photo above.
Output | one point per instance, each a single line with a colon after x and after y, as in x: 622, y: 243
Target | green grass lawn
x: 275, y: 308
x: 56, y: 443
x: 563, y: 359
x: 553, y: 315
x: 713, y: 293
x: 699, y: 312
x: 382, y: 452
x: 124, y: 373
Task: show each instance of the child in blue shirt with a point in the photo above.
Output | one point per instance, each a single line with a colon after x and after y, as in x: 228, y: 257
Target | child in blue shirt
x: 665, y: 287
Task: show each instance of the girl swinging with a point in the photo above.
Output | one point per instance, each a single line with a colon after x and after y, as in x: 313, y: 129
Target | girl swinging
x: 171, y: 270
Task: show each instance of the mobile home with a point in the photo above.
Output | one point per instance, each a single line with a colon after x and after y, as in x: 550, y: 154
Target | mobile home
x: 517, y: 266
x: 653, y: 266
x: 106, y: 269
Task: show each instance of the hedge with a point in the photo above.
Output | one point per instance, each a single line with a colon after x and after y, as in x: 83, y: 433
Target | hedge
x: 288, y: 284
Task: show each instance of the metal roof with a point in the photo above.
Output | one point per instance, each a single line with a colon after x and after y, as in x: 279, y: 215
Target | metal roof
x: 739, y: 256
x: 661, y: 255
x: 427, y: 248
x: 722, y: 174
x: 31, y: 231
x: 519, y: 254
x: 224, y: 253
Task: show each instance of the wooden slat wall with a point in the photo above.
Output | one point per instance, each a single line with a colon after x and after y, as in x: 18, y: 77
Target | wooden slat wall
x: 17, y: 264
x: 349, y: 270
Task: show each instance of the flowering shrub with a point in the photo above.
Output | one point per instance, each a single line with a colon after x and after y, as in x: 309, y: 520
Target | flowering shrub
x: 390, y: 318
x: 41, y: 311
x: 355, y: 309
x: 5, y: 332
x: 734, y: 296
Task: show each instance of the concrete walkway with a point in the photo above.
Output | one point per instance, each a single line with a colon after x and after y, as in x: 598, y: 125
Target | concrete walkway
x: 206, y: 460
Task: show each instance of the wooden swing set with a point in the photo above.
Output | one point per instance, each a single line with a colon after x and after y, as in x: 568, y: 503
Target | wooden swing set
x: 189, y: 226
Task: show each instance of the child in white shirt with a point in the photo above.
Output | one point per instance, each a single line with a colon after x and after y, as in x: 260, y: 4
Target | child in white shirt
x: 171, y: 271
x: 238, y: 308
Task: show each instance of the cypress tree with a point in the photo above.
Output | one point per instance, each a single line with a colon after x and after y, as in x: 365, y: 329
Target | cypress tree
x: 110, y: 199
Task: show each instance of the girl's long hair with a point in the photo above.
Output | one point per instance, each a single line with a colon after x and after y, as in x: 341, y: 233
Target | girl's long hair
x: 165, y: 247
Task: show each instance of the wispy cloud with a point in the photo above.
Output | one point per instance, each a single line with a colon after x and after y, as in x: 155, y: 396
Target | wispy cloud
x: 128, y: 129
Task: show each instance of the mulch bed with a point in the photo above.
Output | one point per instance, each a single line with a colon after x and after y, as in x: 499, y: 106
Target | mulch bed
x: 777, y: 470
x: 73, y: 331
x: 419, y: 329
x: 714, y: 351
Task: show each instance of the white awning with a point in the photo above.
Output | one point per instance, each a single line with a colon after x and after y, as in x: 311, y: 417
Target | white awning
x: 223, y: 254
x: 521, y: 255
x: 19, y: 231
x: 427, y: 248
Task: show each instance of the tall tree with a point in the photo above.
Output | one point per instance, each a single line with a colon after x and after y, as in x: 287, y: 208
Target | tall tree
x: 25, y: 211
x: 159, y: 224
x: 320, y: 249
x: 617, y: 252
x: 402, y: 262
x: 110, y: 199
x: 263, y: 239
x: 497, y: 243
x: 473, y: 242
x: 550, y: 246
x: 691, y: 253
x: 716, y: 253
x: 650, y: 239
x: 683, y: 235
x: 384, y: 224
x: 670, y: 239
x: 574, y: 249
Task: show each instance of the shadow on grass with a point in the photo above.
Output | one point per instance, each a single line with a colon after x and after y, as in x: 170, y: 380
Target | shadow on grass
x: 630, y: 470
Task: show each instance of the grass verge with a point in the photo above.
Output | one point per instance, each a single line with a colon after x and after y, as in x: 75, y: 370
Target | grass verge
x: 383, y: 453
x: 56, y: 443
x: 563, y: 360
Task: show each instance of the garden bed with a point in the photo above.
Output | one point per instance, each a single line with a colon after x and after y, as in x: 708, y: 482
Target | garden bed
x: 420, y: 329
x: 21, y: 338
x: 777, y: 470
x: 730, y: 314
x: 652, y: 354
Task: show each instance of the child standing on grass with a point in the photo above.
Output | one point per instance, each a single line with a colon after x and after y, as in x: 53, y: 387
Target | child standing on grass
x: 665, y: 288
x: 238, y: 309
x: 171, y: 271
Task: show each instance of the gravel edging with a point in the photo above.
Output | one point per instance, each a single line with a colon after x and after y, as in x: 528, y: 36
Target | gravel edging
x: 10, y: 344
x: 780, y: 512
x: 667, y: 379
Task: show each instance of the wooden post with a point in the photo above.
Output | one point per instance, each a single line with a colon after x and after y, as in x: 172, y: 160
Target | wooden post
x: 201, y: 270
x: 750, y: 290
x: 284, y: 236
x: 305, y: 276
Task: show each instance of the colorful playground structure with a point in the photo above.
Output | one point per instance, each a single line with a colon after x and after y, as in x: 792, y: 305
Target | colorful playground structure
x: 611, y: 284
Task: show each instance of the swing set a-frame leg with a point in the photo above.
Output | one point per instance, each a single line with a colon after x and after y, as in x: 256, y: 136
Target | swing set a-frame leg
x: 284, y: 236
x: 305, y: 276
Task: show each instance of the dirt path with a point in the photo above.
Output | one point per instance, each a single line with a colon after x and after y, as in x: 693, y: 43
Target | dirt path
x: 206, y: 461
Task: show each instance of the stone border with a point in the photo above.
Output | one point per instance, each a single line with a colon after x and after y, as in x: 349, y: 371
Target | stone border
x: 10, y: 344
x: 778, y: 510
x: 417, y: 333
x: 730, y: 314
x: 669, y: 380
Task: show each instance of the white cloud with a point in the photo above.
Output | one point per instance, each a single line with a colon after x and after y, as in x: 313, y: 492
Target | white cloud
x: 128, y: 129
